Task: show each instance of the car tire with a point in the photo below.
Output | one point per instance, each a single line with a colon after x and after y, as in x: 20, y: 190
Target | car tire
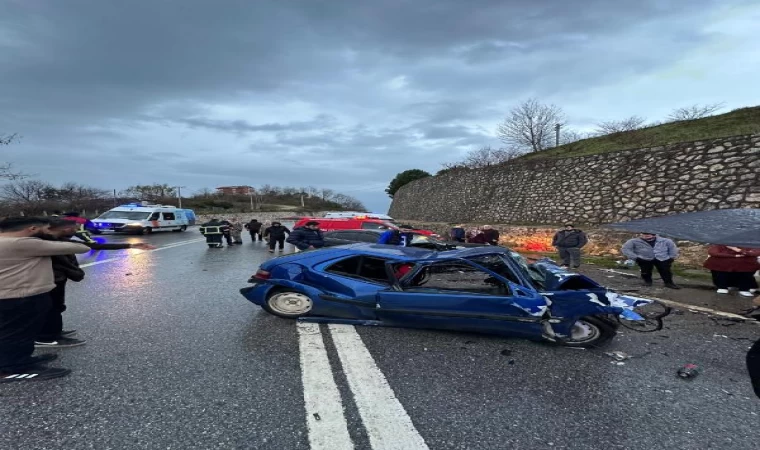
x: 288, y: 304
x: 591, y: 332
x: 147, y: 230
x: 180, y: 229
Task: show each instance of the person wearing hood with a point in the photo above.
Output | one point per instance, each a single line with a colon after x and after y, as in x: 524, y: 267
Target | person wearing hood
x: 491, y: 235
x: 308, y: 237
x: 275, y: 234
x: 733, y: 267
x: 569, y: 243
x: 651, y: 251
x: 458, y: 233
x: 254, y: 227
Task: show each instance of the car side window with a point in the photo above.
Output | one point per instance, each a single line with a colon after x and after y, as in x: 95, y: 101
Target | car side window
x: 168, y: 216
x: 361, y: 267
x: 366, y: 236
x: 154, y: 216
x: 455, y: 277
x: 373, y: 226
x: 495, y: 263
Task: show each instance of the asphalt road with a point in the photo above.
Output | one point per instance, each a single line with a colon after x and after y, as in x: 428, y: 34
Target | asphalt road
x: 177, y: 359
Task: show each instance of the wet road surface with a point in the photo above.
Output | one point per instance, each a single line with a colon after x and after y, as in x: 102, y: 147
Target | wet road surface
x: 177, y: 359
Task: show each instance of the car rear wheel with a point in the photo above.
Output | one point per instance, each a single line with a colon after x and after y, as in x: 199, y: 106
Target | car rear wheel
x: 591, y: 332
x: 180, y: 229
x: 288, y: 304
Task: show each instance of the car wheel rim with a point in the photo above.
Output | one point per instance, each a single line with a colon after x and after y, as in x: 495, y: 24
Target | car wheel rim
x: 583, y: 331
x: 290, y: 303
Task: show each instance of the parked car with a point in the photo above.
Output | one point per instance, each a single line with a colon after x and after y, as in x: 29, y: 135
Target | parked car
x: 355, y: 223
x: 487, y: 289
x: 346, y: 237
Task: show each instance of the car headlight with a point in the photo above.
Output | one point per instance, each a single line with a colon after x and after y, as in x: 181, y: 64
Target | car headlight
x: 136, y: 224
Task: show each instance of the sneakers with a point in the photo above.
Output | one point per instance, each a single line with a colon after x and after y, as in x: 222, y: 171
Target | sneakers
x: 746, y: 294
x: 37, y: 374
x: 62, y: 342
x: 672, y: 286
x: 722, y: 291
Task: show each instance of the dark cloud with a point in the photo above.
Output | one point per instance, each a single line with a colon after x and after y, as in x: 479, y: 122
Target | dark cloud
x: 334, y: 93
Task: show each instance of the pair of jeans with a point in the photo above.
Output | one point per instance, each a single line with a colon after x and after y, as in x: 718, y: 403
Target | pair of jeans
x: 20, y: 323
x: 52, y: 325
x: 570, y: 256
x: 744, y: 281
x: 663, y: 268
x: 256, y: 236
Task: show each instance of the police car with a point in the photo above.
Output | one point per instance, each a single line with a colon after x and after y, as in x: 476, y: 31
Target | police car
x: 141, y: 218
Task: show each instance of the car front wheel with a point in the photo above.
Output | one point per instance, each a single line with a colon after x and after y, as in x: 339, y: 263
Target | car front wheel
x: 591, y: 332
x: 288, y: 304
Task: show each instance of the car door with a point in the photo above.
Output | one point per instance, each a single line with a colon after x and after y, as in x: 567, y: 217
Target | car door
x: 457, y: 294
x: 168, y: 220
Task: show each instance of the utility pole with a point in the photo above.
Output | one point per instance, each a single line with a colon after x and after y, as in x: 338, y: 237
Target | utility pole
x: 250, y: 194
x: 556, y: 138
x: 179, y: 195
x: 114, y: 198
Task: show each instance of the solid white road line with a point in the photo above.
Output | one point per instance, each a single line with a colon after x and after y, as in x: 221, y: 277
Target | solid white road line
x: 713, y: 312
x: 328, y: 429
x: 387, y: 423
x: 108, y: 260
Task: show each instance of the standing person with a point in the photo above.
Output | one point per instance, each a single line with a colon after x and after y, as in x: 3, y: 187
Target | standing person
x: 213, y: 232
x: 276, y: 235
x: 569, y: 243
x: 226, y: 227
x: 65, y: 268
x: 236, y: 231
x: 26, y: 279
x: 396, y: 237
x: 308, y: 237
x: 254, y: 227
x: 458, y: 233
x: 491, y: 235
x: 477, y: 237
x: 733, y: 267
x: 651, y: 251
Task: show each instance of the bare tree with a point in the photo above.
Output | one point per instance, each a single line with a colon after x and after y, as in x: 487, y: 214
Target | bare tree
x: 531, y: 126
x: 632, y: 123
x: 348, y: 202
x: 326, y: 194
x: 27, y: 193
x: 6, y: 169
x: 485, y: 157
x: 694, y: 112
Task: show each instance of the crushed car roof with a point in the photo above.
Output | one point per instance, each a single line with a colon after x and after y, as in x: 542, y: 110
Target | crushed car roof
x: 412, y: 253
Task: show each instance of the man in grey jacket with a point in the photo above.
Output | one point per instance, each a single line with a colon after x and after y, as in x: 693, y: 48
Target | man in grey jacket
x: 569, y: 243
x: 651, y: 251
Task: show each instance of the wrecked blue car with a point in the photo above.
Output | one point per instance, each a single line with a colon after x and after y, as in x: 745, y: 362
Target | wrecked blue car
x: 486, y: 290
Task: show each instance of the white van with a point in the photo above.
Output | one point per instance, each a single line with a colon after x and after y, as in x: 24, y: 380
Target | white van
x: 143, y: 218
x: 354, y: 214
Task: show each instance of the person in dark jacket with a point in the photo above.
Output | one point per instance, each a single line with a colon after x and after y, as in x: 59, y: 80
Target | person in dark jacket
x: 458, y: 233
x: 227, y: 231
x: 733, y: 267
x: 65, y: 268
x: 396, y: 237
x: 491, y: 236
x: 569, y: 243
x: 275, y: 234
x: 308, y: 237
x: 254, y: 227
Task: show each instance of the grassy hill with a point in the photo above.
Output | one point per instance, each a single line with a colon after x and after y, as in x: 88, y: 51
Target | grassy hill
x: 737, y: 122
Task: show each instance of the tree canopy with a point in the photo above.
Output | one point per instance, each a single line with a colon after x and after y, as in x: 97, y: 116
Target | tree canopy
x: 403, y: 178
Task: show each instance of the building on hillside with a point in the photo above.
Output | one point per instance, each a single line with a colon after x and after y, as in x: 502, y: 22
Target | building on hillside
x: 235, y: 190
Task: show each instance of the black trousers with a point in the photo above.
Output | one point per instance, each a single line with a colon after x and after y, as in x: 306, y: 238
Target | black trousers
x: 20, y: 323
x: 663, y: 268
x: 280, y: 241
x: 744, y: 281
x: 753, y: 365
x: 53, y: 323
x: 228, y: 237
x: 256, y: 236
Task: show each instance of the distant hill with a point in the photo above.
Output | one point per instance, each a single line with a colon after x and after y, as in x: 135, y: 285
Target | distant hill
x: 737, y: 122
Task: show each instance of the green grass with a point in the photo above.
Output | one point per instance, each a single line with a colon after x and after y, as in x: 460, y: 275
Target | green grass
x: 738, y: 122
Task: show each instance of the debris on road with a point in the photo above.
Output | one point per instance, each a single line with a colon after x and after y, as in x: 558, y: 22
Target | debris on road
x: 506, y: 352
x: 618, y: 356
x: 317, y: 417
x: 688, y: 371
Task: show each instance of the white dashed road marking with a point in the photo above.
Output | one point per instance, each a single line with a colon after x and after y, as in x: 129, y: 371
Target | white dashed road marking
x: 388, y: 425
x: 328, y: 429
x: 108, y: 260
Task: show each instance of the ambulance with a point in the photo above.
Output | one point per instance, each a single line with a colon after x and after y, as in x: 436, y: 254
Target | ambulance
x: 142, y: 218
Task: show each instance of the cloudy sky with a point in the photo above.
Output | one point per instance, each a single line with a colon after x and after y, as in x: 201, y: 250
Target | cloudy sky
x: 341, y: 94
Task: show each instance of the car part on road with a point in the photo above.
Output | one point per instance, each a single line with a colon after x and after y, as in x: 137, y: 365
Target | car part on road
x: 689, y: 371
x: 38, y: 374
